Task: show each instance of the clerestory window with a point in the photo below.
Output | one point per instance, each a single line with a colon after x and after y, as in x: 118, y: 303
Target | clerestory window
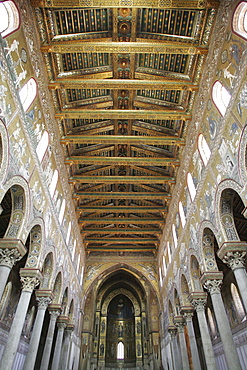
x: 221, y: 97
x: 9, y: 18
x: 239, y: 20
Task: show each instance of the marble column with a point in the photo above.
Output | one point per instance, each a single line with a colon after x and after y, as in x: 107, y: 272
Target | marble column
x: 43, y: 298
x: 61, y: 324
x: 199, y: 300
x: 187, y: 312
x: 66, y: 347
x: 28, y: 285
x: 179, y: 322
x: 212, y: 282
x: 233, y: 254
x: 11, y: 251
x: 176, y: 362
x: 54, y: 311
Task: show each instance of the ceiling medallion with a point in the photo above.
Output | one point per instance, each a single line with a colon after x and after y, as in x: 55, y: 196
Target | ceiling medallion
x: 124, y: 28
x: 125, y: 12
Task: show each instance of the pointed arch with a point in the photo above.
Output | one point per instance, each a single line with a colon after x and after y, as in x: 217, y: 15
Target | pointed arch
x: 47, y: 271
x: 231, y: 215
x: 17, y: 203
x: 185, y: 290
x: 65, y: 301
x: 195, y: 274
x: 71, y: 311
x: 57, y: 288
x: 208, y: 249
x: 170, y: 313
x: 177, y: 302
x: 34, y: 254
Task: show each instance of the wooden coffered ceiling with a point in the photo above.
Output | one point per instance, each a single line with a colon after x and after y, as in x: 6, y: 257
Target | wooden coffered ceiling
x: 123, y: 76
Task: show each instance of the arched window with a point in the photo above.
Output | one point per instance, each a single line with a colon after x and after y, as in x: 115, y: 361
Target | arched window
x: 211, y: 322
x: 169, y: 252
x: 53, y: 183
x: 239, y: 21
x: 42, y: 145
x: 28, y: 93
x: 82, y: 274
x: 181, y: 213
x: 175, y: 238
x: 120, y: 351
x: 68, y: 233
x: 164, y: 265
x: 78, y: 265
x: 1, y: 150
x: 73, y: 251
x: 161, y: 276
x: 238, y: 303
x: 191, y: 186
x: 221, y: 97
x: 9, y: 18
x: 204, y: 149
x: 61, y: 213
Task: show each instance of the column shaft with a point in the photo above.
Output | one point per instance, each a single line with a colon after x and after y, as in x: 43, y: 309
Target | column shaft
x: 71, y: 355
x: 58, y: 346
x: 225, y: 332
x: 4, y: 274
x: 176, y: 355
x: 241, y: 278
x: 35, y: 338
x: 193, y: 345
x: 15, y: 331
x: 183, y: 348
x: 48, y: 342
x: 206, y: 340
x: 65, y: 350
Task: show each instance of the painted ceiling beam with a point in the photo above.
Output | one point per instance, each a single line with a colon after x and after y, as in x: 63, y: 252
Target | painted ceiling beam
x: 125, y: 220
x: 123, y: 139
x: 121, y: 240
x: 169, y: 4
x: 123, y: 161
x: 80, y: 46
x: 122, y: 231
x: 116, y: 84
x: 122, y: 114
x: 122, y: 248
x: 122, y: 179
x: 120, y: 209
x: 121, y: 195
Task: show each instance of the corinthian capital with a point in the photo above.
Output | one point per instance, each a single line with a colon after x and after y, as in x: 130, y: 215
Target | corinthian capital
x: 29, y: 283
x: 235, y: 259
x: 213, y: 286
x: 199, y: 304
x: 8, y: 257
x: 54, y: 314
x: 43, y: 302
x: 61, y: 325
